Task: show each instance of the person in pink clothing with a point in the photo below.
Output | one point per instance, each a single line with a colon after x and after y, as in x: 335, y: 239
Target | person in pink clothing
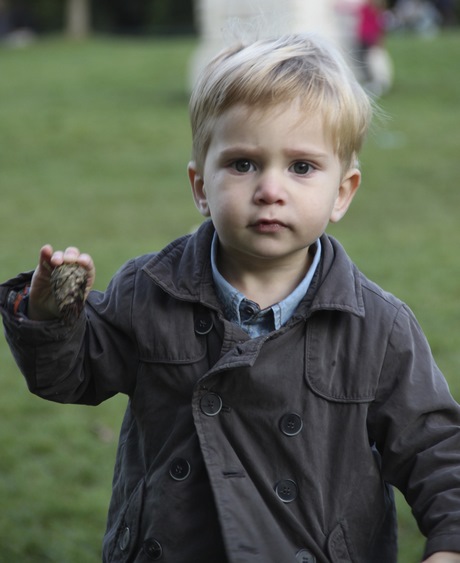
x: 371, y: 27
x: 373, y: 59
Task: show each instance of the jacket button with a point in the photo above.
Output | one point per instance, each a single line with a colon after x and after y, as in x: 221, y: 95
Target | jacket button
x: 291, y: 424
x: 179, y: 469
x: 286, y: 490
x: 211, y: 404
x: 153, y: 549
x: 305, y: 556
x: 203, y: 325
x: 124, y: 539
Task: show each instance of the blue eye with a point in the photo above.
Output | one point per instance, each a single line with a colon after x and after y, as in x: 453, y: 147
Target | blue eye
x: 302, y: 168
x: 242, y: 165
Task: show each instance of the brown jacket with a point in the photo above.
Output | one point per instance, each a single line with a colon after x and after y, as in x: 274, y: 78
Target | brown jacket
x: 276, y: 449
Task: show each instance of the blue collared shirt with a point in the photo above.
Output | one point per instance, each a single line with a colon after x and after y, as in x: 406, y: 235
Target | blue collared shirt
x: 246, y: 313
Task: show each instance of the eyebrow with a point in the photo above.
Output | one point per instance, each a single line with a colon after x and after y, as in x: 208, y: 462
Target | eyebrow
x: 238, y: 149
x: 306, y: 153
x: 300, y: 153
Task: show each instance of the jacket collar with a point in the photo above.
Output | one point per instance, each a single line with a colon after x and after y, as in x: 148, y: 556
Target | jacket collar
x: 339, y: 283
x: 183, y: 270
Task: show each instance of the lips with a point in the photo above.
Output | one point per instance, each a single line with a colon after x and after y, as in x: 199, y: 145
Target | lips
x: 268, y: 225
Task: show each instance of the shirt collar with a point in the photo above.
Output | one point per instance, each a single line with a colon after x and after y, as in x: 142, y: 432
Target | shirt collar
x: 232, y: 299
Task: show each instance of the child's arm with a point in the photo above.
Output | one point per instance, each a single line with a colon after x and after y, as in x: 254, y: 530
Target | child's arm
x: 64, y: 362
x: 444, y: 557
x: 42, y: 304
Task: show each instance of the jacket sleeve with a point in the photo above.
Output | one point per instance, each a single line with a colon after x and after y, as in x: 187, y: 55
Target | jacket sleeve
x: 416, y: 425
x: 87, y: 362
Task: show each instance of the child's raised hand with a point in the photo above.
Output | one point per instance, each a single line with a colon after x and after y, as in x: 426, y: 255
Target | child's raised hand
x: 42, y: 300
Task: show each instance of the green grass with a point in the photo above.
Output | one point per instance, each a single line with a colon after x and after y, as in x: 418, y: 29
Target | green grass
x: 94, y: 143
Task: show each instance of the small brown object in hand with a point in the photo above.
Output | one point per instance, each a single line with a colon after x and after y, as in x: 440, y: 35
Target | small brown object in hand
x: 69, y: 285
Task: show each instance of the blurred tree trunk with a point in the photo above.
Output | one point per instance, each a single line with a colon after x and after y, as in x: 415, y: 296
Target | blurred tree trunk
x: 78, y: 18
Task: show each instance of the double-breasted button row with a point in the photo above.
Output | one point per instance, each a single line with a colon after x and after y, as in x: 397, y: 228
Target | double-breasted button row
x: 290, y: 423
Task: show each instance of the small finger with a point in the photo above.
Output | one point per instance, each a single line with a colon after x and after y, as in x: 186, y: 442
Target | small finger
x: 85, y: 260
x: 71, y: 254
x: 57, y: 258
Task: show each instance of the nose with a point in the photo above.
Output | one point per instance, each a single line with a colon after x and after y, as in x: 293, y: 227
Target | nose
x: 270, y: 189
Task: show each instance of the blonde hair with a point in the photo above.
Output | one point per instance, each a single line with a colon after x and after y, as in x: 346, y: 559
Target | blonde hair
x: 267, y: 73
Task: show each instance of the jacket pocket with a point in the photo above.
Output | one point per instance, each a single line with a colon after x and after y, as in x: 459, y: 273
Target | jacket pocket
x: 341, y: 363
x: 338, y: 546
x: 127, y: 533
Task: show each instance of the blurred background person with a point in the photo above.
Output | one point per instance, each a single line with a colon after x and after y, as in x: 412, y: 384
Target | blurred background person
x: 375, y: 66
x: 421, y: 16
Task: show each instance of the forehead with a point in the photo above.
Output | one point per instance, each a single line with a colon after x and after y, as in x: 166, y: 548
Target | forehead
x: 287, y: 119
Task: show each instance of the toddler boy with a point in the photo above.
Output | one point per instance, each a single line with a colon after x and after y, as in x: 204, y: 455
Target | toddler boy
x: 275, y: 393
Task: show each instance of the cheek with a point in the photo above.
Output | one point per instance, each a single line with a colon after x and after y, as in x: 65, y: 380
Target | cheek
x: 224, y: 211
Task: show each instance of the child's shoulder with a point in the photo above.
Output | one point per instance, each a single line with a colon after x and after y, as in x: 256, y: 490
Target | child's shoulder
x: 368, y: 293
x: 169, y: 252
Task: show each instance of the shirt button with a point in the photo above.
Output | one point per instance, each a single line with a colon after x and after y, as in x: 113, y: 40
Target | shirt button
x: 291, y: 424
x: 153, y: 549
x: 211, y: 404
x: 179, y: 469
x: 286, y: 490
x: 249, y: 310
x: 203, y: 325
x: 305, y: 556
x: 124, y: 539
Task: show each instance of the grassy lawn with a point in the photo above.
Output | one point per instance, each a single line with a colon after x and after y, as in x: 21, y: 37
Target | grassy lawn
x: 94, y: 143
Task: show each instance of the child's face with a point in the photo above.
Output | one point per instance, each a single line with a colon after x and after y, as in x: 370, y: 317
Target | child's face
x: 271, y: 182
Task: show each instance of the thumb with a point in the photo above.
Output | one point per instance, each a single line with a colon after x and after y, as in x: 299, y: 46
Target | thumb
x: 42, y: 305
x: 44, y: 267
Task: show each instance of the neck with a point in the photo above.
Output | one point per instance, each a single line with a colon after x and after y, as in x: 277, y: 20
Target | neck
x: 265, y: 284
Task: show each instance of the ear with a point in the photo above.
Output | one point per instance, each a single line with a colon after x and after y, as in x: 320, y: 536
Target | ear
x: 198, y: 191
x: 347, y: 190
